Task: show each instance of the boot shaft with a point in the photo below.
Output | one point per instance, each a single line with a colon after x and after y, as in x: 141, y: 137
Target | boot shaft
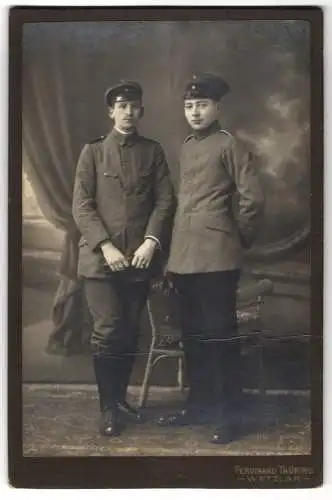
x: 112, y: 374
x: 106, y: 370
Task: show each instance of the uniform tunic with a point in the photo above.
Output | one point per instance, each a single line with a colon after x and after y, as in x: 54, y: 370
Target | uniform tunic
x: 122, y: 193
x: 208, y: 235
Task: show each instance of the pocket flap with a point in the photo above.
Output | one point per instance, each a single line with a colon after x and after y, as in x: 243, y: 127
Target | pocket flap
x: 109, y: 173
x: 218, y: 223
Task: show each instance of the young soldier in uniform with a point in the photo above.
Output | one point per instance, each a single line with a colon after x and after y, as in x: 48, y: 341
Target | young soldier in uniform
x: 122, y: 204
x: 206, y: 253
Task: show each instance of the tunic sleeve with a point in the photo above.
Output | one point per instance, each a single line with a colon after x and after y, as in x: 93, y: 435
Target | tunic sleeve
x: 240, y: 164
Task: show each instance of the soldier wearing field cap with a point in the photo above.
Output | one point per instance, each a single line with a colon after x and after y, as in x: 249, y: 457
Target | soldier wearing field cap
x: 122, y: 205
x: 206, y: 253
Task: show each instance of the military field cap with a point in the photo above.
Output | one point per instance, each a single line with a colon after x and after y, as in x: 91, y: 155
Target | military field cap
x: 126, y: 90
x: 206, y: 86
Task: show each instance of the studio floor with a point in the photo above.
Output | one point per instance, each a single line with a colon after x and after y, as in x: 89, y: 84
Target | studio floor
x: 61, y: 420
x: 60, y: 406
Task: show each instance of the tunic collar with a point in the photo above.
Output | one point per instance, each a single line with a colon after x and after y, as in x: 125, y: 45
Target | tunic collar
x: 201, y: 134
x: 124, y: 139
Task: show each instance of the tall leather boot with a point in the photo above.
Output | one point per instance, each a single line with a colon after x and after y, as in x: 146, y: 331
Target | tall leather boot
x: 125, y: 368
x: 105, y: 368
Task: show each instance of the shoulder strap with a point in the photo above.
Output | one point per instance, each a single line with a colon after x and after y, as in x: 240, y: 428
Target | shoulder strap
x: 98, y: 140
x: 188, y: 138
x: 225, y: 132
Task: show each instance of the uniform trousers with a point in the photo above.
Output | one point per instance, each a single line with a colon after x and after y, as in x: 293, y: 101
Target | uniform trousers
x: 211, y: 345
x: 115, y: 305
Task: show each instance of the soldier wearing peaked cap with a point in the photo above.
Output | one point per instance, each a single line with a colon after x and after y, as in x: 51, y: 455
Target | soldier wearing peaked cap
x: 123, y: 91
x: 206, y: 255
x: 122, y: 205
x: 206, y: 85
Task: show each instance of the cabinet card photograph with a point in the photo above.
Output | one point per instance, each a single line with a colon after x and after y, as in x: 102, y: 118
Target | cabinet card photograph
x: 166, y: 172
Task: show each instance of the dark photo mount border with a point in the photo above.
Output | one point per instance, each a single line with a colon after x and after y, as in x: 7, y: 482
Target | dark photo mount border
x: 156, y: 472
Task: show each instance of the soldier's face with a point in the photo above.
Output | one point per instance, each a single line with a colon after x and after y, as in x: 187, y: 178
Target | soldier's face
x: 200, y: 113
x: 126, y: 114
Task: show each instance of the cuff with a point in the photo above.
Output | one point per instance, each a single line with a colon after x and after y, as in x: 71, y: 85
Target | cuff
x: 149, y: 237
x: 95, y: 239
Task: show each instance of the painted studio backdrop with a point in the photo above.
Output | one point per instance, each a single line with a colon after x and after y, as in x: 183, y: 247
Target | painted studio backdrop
x: 66, y: 69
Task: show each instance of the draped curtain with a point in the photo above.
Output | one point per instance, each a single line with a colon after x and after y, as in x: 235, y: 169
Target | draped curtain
x: 68, y: 66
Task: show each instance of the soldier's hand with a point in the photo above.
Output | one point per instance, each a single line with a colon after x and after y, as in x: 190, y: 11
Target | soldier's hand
x: 143, y: 255
x: 114, y: 258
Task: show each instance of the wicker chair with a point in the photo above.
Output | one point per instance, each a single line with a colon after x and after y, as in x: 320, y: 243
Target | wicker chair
x: 166, y: 334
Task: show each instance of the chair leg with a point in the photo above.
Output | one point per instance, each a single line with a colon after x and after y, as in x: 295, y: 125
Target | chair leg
x: 146, y: 379
x: 180, y: 373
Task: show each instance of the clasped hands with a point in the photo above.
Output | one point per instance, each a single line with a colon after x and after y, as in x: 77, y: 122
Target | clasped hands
x: 118, y: 262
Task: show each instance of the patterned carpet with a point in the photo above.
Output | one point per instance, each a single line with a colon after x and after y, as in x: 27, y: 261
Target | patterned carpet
x: 60, y: 420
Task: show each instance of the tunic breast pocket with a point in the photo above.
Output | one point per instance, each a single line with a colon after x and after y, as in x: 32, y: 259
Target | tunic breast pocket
x: 144, y: 182
x: 109, y: 180
x: 109, y: 187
